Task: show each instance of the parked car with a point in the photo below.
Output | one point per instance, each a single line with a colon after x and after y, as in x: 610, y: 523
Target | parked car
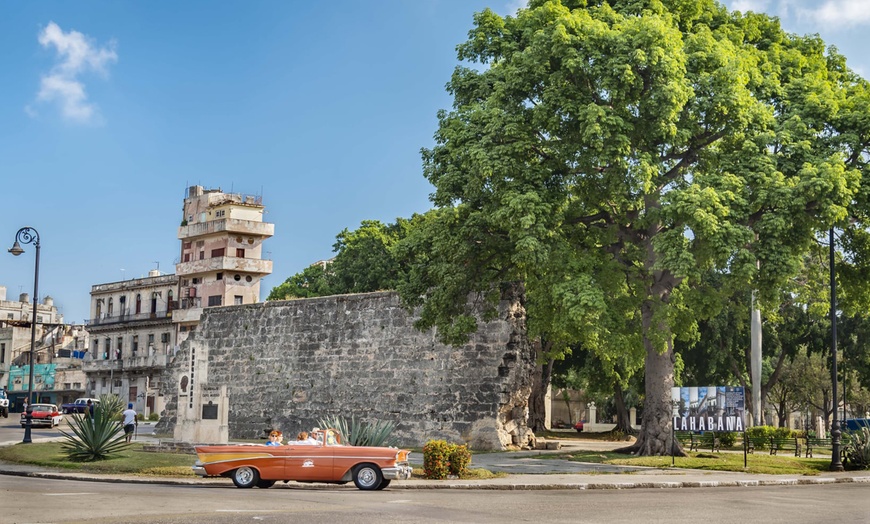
x: 43, y: 415
x: 579, y: 427
x: 4, y: 404
x: 326, y: 460
x: 80, y: 405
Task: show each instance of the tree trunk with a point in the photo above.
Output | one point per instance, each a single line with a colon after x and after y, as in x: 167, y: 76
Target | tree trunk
x: 656, y: 435
x: 623, y: 419
x: 538, y: 395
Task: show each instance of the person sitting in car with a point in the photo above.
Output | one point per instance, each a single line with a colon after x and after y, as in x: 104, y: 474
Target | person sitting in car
x: 275, y: 438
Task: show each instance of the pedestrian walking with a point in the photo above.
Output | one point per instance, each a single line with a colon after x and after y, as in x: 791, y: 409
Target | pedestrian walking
x: 130, y: 422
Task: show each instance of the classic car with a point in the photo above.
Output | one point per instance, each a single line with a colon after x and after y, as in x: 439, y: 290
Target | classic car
x: 325, y: 459
x: 80, y: 405
x: 43, y: 415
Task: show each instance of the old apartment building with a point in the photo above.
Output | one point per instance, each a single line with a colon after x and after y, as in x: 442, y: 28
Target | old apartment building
x: 221, y: 260
x: 132, y: 338
x: 136, y: 325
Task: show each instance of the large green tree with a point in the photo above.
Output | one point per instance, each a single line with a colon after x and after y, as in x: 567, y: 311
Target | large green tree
x: 607, y: 155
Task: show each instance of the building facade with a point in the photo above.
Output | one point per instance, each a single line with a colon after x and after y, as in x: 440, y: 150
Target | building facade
x: 58, y: 350
x: 132, y: 338
x: 220, y: 262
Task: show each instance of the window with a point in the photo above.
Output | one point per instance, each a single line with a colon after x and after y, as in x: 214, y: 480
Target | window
x: 240, y: 253
x: 108, y: 348
x: 215, y: 253
x: 220, y: 213
x: 77, y: 385
x: 131, y: 397
x: 135, y: 345
x: 150, y: 339
x: 164, y: 337
x: 67, y: 385
x: 214, y: 300
x: 169, y: 297
x: 195, y: 281
x: 237, y: 277
x: 200, y: 243
x: 187, y: 257
x: 184, y: 329
x: 118, y: 383
x: 2, y: 352
x: 248, y: 278
x: 111, y: 306
x: 202, y: 255
x: 138, y: 303
x: 104, y: 382
x: 185, y: 245
x: 120, y: 343
x: 11, y: 316
x: 154, y: 296
x: 219, y: 276
x: 237, y: 300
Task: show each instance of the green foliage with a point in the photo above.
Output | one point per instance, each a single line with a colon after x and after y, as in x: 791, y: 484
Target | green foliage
x: 858, y: 448
x: 727, y: 439
x: 365, y: 261
x: 362, y: 433
x: 612, y: 156
x: 760, y: 436
x: 436, y: 459
x: 440, y: 459
x: 99, y: 438
x: 153, y: 417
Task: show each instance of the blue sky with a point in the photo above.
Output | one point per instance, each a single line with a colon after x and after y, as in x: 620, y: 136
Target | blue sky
x: 109, y: 110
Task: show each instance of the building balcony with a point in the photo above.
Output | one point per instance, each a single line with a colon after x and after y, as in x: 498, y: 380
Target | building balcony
x: 229, y: 225
x: 135, y: 363
x: 256, y: 266
x: 160, y: 317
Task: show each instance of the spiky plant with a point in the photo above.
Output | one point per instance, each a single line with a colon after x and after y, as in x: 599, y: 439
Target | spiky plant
x: 98, y: 438
x: 361, y: 433
x: 857, y: 446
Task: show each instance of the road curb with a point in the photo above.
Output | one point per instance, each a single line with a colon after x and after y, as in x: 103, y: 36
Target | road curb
x: 499, y: 485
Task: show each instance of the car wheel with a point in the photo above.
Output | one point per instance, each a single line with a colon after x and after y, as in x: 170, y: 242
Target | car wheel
x: 246, y: 477
x: 367, y: 476
x: 384, y: 484
x: 265, y: 483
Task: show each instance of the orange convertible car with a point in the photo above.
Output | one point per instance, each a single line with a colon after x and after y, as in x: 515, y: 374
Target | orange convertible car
x: 323, y: 459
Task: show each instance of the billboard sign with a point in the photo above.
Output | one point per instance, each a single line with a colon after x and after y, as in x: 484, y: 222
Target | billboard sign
x: 710, y: 408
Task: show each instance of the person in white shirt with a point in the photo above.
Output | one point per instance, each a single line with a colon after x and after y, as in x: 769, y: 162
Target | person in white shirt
x: 130, y: 422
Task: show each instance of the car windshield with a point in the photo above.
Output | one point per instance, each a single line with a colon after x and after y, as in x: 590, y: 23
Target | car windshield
x: 41, y: 408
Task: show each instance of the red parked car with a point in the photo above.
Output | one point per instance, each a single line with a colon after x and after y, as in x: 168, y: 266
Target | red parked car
x: 43, y: 415
x: 579, y: 427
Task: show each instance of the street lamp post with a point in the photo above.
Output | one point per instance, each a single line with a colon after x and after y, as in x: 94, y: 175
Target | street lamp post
x: 836, y: 463
x: 28, y: 235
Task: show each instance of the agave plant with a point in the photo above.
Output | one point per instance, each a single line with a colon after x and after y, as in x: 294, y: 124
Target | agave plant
x: 858, y: 448
x: 98, y: 438
x: 362, y: 433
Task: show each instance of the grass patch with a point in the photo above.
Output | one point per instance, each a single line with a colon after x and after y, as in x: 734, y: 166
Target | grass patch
x: 132, y: 461
x: 471, y: 474
x: 756, y: 463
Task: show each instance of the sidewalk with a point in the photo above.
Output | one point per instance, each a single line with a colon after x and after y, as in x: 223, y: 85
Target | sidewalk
x: 525, y: 473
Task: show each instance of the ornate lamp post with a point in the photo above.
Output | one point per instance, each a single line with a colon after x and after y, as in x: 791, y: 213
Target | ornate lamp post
x: 836, y: 463
x: 28, y: 235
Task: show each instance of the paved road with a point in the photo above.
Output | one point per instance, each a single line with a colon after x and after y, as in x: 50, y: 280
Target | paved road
x: 47, y: 501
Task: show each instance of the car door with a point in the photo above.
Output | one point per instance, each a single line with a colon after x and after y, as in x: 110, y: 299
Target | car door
x: 308, y: 462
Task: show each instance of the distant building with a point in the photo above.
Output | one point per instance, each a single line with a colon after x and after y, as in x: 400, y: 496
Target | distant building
x: 57, y: 353
x: 132, y: 338
x: 221, y: 260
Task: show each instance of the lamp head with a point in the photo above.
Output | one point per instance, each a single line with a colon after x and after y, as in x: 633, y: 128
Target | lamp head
x: 16, y: 249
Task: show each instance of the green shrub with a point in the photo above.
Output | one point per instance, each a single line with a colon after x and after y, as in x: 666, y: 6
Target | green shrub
x: 459, y: 458
x: 784, y: 433
x: 153, y: 417
x: 727, y: 439
x: 436, y: 459
x: 760, y: 436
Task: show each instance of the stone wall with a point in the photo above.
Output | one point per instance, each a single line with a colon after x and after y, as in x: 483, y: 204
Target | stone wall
x: 288, y: 364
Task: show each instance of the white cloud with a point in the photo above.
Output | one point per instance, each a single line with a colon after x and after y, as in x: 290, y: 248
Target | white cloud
x: 76, y: 55
x: 757, y: 6
x: 841, y: 12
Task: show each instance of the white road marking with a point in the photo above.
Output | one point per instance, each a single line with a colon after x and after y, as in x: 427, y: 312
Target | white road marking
x: 65, y: 494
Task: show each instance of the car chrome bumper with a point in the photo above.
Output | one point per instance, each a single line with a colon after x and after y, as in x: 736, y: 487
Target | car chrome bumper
x: 199, y: 469
x: 397, y: 473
